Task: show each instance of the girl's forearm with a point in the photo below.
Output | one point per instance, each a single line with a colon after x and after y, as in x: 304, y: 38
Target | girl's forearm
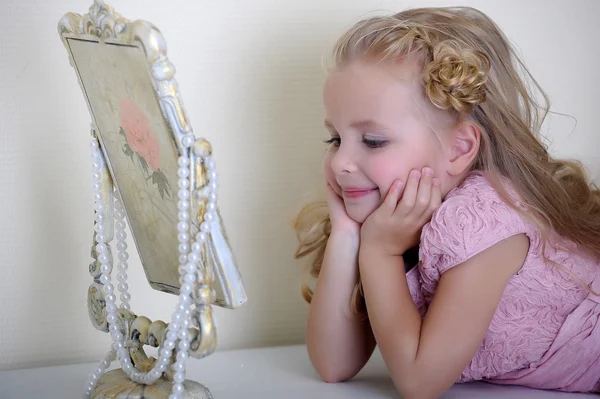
x: 339, y: 342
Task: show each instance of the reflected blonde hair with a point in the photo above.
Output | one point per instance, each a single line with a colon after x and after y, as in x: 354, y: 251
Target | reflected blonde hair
x: 471, y: 71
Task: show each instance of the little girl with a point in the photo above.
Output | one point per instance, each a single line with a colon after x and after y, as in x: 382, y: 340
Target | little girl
x: 434, y: 151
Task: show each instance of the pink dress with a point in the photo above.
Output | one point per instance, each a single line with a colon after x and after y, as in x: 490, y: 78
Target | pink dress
x: 546, y: 330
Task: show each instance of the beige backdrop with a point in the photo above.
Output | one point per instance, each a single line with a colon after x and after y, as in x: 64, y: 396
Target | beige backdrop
x: 250, y: 74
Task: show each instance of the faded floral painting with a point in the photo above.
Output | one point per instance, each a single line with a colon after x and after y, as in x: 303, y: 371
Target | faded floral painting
x: 141, y: 153
x: 141, y: 144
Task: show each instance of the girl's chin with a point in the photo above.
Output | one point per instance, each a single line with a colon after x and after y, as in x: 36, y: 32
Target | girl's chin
x: 358, y: 215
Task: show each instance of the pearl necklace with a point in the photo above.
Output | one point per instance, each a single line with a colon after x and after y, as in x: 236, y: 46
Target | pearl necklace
x: 190, y: 271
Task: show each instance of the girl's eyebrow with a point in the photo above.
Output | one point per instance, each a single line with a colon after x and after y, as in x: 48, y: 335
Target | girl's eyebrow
x: 366, y: 124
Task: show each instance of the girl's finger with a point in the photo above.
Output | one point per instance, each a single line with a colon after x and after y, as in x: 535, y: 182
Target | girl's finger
x: 393, y: 195
x: 424, y: 191
x: 436, y: 197
x: 409, y: 196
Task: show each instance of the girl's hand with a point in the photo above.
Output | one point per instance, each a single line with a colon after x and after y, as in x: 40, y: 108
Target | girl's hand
x: 340, y: 221
x: 396, y: 225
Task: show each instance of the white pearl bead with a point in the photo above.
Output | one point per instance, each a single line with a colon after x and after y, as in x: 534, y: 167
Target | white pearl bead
x: 111, y: 307
x: 187, y: 140
x: 190, y: 267
x: 190, y: 279
x: 123, y: 256
x: 183, y: 183
x: 183, y: 172
x: 104, y: 279
x: 178, y: 367
x: 183, y: 227
x: 200, y: 237
x: 183, y: 205
x: 118, y: 336
x: 125, y: 297
x: 186, y: 289
x: 211, y: 207
x: 175, y: 396
x: 183, y: 194
x: 184, y: 345
x: 110, y: 298
x: 178, y: 388
x: 155, y: 374
x: 184, y: 334
x: 97, y: 176
x: 179, y: 377
x: 210, y: 163
x: 184, y: 248
x: 185, y: 300
x: 205, y: 227
x: 183, y: 161
x: 212, y: 197
x: 213, y: 175
x: 120, y: 225
x: 99, y: 206
x: 182, y: 356
x: 100, y: 238
x: 209, y: 216
x: 121, y: 235
x: 117, y: 345
x: 213, y: 185
x: 125, y: 306
x: 183, y: 237
x: 105, y: 269
x: 165, y: 353
x: 122, y: 276
x: 169, y: 345
x: 172, y: 335
x: 111, y: 318
x: 122, y: 287
x: 183, y: 216
x: 108, y: 288
x: 119, y: 215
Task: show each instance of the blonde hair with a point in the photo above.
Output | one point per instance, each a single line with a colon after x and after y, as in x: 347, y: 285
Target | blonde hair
x: 470, y: 70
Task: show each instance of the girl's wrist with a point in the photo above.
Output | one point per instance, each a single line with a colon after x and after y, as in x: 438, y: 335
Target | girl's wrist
x: 347, y: 237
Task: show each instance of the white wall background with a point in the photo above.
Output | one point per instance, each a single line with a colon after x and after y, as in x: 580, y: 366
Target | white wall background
x: 250, y: 74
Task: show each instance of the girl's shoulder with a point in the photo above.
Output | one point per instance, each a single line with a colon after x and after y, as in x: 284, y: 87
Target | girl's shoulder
x: 472, y: 218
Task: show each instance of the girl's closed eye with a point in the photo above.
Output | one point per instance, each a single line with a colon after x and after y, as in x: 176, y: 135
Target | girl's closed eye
x: 371, y: 143
x: 374, y: 143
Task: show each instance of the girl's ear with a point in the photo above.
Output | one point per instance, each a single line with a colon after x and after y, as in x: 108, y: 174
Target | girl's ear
x: 464, y: 147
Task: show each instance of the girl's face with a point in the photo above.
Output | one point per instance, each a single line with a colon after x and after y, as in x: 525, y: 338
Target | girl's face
x: 380, y: 130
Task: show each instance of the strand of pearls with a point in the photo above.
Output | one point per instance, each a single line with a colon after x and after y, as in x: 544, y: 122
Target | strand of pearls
x: 189, y: 271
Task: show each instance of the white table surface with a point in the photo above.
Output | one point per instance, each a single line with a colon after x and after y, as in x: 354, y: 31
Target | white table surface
x: 276, y: 372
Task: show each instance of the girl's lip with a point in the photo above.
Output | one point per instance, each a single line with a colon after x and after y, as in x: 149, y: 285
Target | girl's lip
x: 352, y: 192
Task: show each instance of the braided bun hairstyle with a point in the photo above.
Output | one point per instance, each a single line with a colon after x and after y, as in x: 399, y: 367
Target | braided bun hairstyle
x: 471, y: 72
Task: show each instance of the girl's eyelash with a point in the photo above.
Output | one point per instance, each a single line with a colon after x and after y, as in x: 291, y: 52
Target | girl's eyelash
x: 369, y: 143
x: 374, y: 143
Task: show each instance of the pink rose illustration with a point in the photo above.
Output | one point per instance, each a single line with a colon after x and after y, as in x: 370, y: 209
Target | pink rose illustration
x: 141, y: 144
x: 140, y: 138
